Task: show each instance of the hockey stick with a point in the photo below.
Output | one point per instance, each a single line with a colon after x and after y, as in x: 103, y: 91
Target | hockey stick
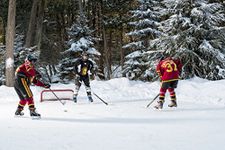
x: 153, y: 100
x: 97, y: 96
x: 63, y: 103
x: 100, y: 98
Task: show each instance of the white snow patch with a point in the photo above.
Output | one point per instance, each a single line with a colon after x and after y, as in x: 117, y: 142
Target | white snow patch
x: 9, y: 63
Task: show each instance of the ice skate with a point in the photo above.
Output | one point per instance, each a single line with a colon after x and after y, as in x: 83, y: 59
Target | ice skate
x: 173, y: 104
x: 159, y: 105
x: 75, y: 99
x: 90, y: 99
x: 34, y: 114
x: 19, y: 112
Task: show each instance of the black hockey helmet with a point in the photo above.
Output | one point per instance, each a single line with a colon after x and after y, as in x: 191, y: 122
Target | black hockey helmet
x: 31, y: 58
x: 84, y: 56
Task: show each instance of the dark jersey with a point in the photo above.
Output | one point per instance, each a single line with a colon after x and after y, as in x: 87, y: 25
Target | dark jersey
x: 82, y: 67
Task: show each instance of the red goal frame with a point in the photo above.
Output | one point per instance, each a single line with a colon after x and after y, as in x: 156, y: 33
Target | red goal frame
x: 55, y: 91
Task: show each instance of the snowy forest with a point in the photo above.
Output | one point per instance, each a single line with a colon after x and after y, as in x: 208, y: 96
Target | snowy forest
x: 124, y: 38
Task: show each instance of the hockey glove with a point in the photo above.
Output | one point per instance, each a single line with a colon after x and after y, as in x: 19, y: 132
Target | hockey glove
x: 38, y: 76
x: 46, y: 85
x: 92, y: 76
x: 77, y: 77
x: 160, y: 79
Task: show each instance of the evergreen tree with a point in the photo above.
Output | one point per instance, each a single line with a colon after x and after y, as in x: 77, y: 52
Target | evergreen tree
x: 80, y: 39
x: 139, y: 64
x: 194, y: 32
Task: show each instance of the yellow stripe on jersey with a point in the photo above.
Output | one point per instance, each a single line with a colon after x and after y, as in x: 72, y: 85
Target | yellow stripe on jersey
x: 32, y: 78
x: 173, y: 95
x: 26, y: 87
x: 28, y: 69
x: 21, y: 105
x: 170, y: 80
x: 31, y: 105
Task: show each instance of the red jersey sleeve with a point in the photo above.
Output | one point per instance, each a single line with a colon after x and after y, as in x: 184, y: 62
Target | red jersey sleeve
x: 158, y: 69
x: 37, y: 82
x: 179, y: 65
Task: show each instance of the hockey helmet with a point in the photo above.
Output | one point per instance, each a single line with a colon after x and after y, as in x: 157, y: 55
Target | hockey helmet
x: 84, y: 56
x: 31, y: 58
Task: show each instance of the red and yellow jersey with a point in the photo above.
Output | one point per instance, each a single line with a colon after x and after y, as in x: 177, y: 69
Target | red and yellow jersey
x: 169, y: 69
x: 27, y: 70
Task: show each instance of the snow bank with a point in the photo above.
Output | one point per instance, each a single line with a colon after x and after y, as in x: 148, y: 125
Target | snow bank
x: 121, y: 89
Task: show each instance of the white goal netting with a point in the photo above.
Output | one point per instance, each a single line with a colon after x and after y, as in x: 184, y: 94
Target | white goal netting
x: 55, y: 94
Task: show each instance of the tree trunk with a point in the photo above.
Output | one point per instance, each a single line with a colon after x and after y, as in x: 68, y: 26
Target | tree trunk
x: 50, y: 70
x: 82, y: 19
x: 109, y: 53
x: 54, y: 70
x: 1, y: 31
x: 10, y: 33
x: 41, y: 8
x: 99, y: 33
x: 106, y: 53
x: 46, y: 72
x: 31, y: 27
x: 4, y: 33
x: 83, y: 3
x: 121, y: 50
x: 63, y: 28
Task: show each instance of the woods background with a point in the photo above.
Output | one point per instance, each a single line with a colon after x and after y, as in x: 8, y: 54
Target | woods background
x: 123, y: 37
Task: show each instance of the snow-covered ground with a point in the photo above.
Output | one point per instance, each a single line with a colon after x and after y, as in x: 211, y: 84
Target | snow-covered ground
x: 125, y: 124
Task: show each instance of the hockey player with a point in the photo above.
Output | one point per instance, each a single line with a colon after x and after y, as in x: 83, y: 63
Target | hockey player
x: 81, y: 68
x: 168, y: 70
x: 25, y: 75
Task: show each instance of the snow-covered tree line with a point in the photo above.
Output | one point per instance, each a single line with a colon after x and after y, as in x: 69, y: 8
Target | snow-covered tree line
x: 193, y: 31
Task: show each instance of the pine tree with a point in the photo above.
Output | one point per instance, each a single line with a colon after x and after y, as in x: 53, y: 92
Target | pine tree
x: 140, y: 63
x: 80, y: 40
x: 194, y: 32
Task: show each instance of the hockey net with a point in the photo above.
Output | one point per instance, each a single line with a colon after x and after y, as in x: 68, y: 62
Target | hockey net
x: 62, y: 94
